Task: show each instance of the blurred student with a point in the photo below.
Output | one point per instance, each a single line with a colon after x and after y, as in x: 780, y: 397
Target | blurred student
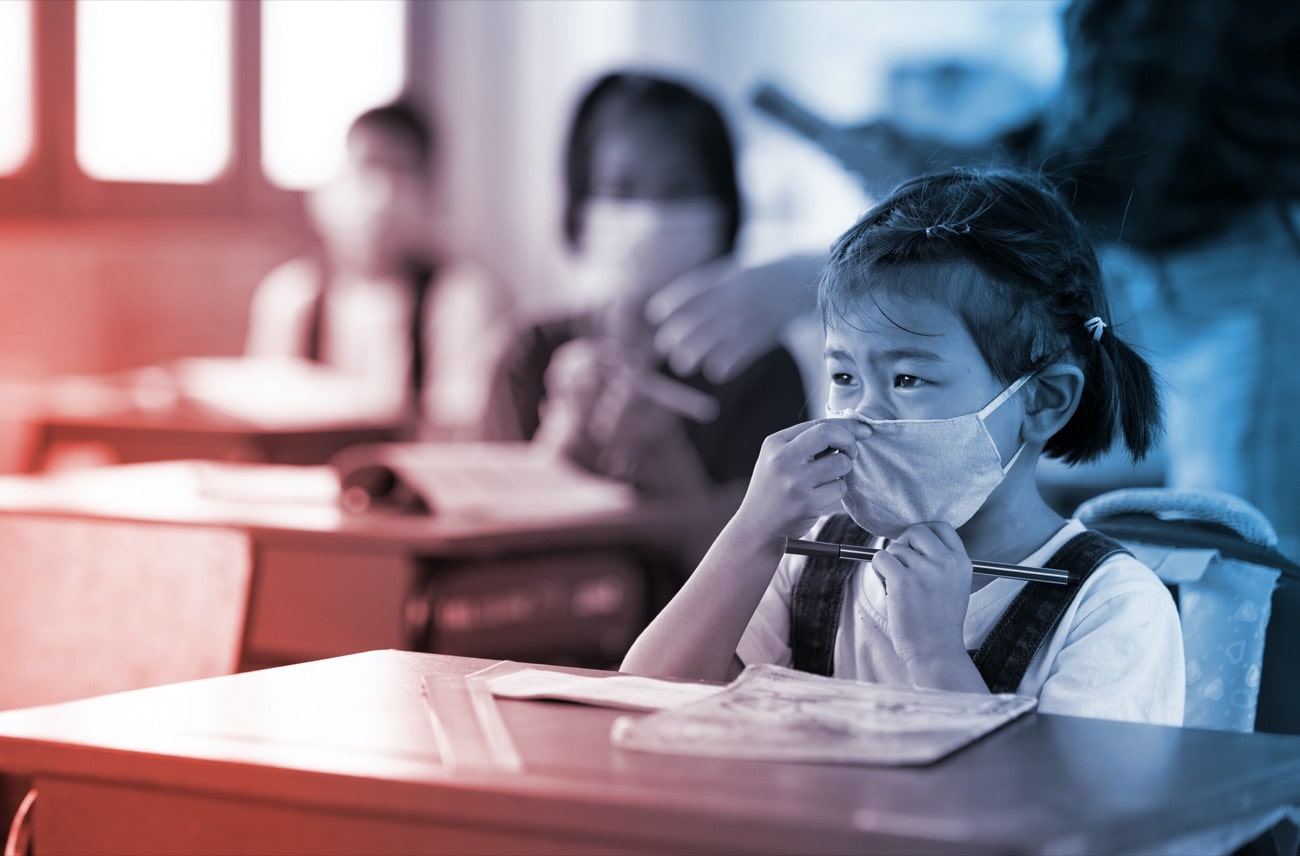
x: 967, y: 334
x: 651, y: 193
x: 1176, y: 136
x: 417, y: 329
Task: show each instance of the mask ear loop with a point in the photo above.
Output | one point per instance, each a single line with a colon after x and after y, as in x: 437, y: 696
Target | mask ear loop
x: 1003, y: 396
x: 994, y: 405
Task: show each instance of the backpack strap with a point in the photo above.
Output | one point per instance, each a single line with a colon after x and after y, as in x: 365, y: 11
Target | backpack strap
x: 1031, y: 617
x: 818, y: 596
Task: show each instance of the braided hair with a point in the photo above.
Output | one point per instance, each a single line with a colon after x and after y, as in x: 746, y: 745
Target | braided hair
x: 1003, y: 251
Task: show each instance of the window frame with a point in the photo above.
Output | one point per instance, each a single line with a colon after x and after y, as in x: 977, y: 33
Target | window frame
x: 52, y: 184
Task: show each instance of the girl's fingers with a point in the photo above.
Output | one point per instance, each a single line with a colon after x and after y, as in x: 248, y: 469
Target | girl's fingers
x: 823, y: 435
x: 829, y: 468
x: 826, y: 497
x: 886, y: 563
x: 932, y: 539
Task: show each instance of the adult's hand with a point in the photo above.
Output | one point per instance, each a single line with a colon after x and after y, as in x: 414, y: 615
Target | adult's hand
x: 720, y: 318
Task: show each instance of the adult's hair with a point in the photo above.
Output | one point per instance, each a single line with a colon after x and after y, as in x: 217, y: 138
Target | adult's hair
x: 402, y: 120
x: 1003, y: 251
x: 684, y: 113
x: 1173, y: 117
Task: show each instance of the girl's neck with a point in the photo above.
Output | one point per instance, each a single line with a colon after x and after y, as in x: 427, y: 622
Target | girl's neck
x: 1012, y: 524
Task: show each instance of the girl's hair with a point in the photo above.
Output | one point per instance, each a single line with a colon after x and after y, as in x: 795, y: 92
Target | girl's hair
x: 1003, y: 251
x: 684, y: 113
x: 402, y: 120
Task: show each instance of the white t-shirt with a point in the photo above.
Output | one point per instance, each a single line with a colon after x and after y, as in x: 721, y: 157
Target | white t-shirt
x: 1117, y: 653
x: 468, y: 319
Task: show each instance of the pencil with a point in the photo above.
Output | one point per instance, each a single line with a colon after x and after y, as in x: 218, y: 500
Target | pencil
x: 676, y: 396
x: 865, y: 554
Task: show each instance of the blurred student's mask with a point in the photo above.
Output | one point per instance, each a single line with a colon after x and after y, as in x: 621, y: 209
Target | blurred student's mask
x: 924, y: 470
x: 633, y: 247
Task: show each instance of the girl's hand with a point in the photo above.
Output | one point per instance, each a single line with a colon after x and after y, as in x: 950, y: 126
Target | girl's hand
x: 799, y: 476
x: 642, y: 442
x: 927, y: 577
x: 574, y: 379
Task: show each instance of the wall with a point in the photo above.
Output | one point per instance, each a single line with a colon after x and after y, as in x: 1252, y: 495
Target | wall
x: 504, y: 76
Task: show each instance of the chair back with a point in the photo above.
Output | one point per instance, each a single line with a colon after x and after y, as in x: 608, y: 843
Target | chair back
x: 1238, y: 599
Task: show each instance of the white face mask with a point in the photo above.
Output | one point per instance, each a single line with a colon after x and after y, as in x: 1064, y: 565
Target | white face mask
x: 924, y: 470
x: 633, y: 247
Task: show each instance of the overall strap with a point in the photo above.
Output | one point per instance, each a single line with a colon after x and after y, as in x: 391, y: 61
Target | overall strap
x: 818, y: 596
x: 422, y: 279
x: 421, y: 276
x: 315, y: 343
x: 1026, y: 624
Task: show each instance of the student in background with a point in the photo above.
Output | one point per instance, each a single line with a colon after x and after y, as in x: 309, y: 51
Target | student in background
x: 384, y: 305
x: 651, y: 193
x: 967, y: 333
x: 1175, y: 134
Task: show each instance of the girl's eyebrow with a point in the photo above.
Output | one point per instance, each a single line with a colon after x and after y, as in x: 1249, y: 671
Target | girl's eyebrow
x: 892, y: 355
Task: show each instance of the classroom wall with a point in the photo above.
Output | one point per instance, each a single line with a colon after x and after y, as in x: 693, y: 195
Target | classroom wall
x: 95, y: 294
x: 504, y: 76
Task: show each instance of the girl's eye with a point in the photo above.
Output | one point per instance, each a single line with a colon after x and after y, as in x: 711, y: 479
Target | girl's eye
x: 841, y: 379
x: 906, y: 381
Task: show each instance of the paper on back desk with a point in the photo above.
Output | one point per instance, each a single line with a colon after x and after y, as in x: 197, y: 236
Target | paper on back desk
x: 631, y: 692
x: 277, y: 393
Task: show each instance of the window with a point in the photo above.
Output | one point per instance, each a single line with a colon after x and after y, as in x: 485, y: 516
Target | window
x: 204, y: 107
x: 322, y: 64
x: 15, y: 84
x: 153, y: 90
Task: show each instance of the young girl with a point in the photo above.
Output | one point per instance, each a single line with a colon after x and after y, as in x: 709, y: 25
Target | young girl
x: 411, y: 329
x: 651, y: 193
x: 967, y: 333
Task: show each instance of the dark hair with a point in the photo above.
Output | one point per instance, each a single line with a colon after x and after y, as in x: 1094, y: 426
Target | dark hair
x: 686, y: 113
x: 1003, y: 251
x: 402, y: 120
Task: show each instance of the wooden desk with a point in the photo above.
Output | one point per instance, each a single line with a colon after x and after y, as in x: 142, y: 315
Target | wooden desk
x: 169, y: 412
x: 338, y: 756
x: 322, y: 583
x: 134, y: 436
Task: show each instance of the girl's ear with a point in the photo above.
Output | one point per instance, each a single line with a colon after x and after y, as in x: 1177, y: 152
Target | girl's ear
x: 1054, y: 396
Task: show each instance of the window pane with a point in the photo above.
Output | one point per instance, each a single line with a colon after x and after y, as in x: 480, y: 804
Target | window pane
x: 154, y: 89
x: 15, y: 84
x: 323, y: 62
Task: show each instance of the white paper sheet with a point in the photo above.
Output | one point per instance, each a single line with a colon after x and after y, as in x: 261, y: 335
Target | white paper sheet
x: 631, y: 692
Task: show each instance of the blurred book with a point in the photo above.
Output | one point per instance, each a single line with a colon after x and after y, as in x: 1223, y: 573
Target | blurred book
x: 774, y: 713
x: 492, y: 480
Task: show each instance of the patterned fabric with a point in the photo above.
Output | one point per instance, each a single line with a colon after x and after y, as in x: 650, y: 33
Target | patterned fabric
x: 1224, y: 600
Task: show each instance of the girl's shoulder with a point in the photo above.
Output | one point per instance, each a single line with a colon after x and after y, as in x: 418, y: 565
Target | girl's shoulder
x: 1124, y: 576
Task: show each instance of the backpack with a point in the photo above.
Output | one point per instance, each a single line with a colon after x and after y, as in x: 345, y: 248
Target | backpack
x: 1238, y: 599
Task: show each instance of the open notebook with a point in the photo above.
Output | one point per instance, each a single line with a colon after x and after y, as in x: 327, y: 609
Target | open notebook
x: 778, y: 714
x: 473, y: 479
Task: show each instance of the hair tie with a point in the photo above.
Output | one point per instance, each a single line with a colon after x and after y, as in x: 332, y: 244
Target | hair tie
x: 1095, y: 326
x: 931, y: 231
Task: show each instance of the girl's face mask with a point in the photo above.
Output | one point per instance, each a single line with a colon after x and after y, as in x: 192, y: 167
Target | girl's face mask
x: 925, y: 470
x: 633, y: 247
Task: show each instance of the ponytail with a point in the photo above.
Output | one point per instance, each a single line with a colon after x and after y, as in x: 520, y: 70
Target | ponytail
x: 1120, y: 400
